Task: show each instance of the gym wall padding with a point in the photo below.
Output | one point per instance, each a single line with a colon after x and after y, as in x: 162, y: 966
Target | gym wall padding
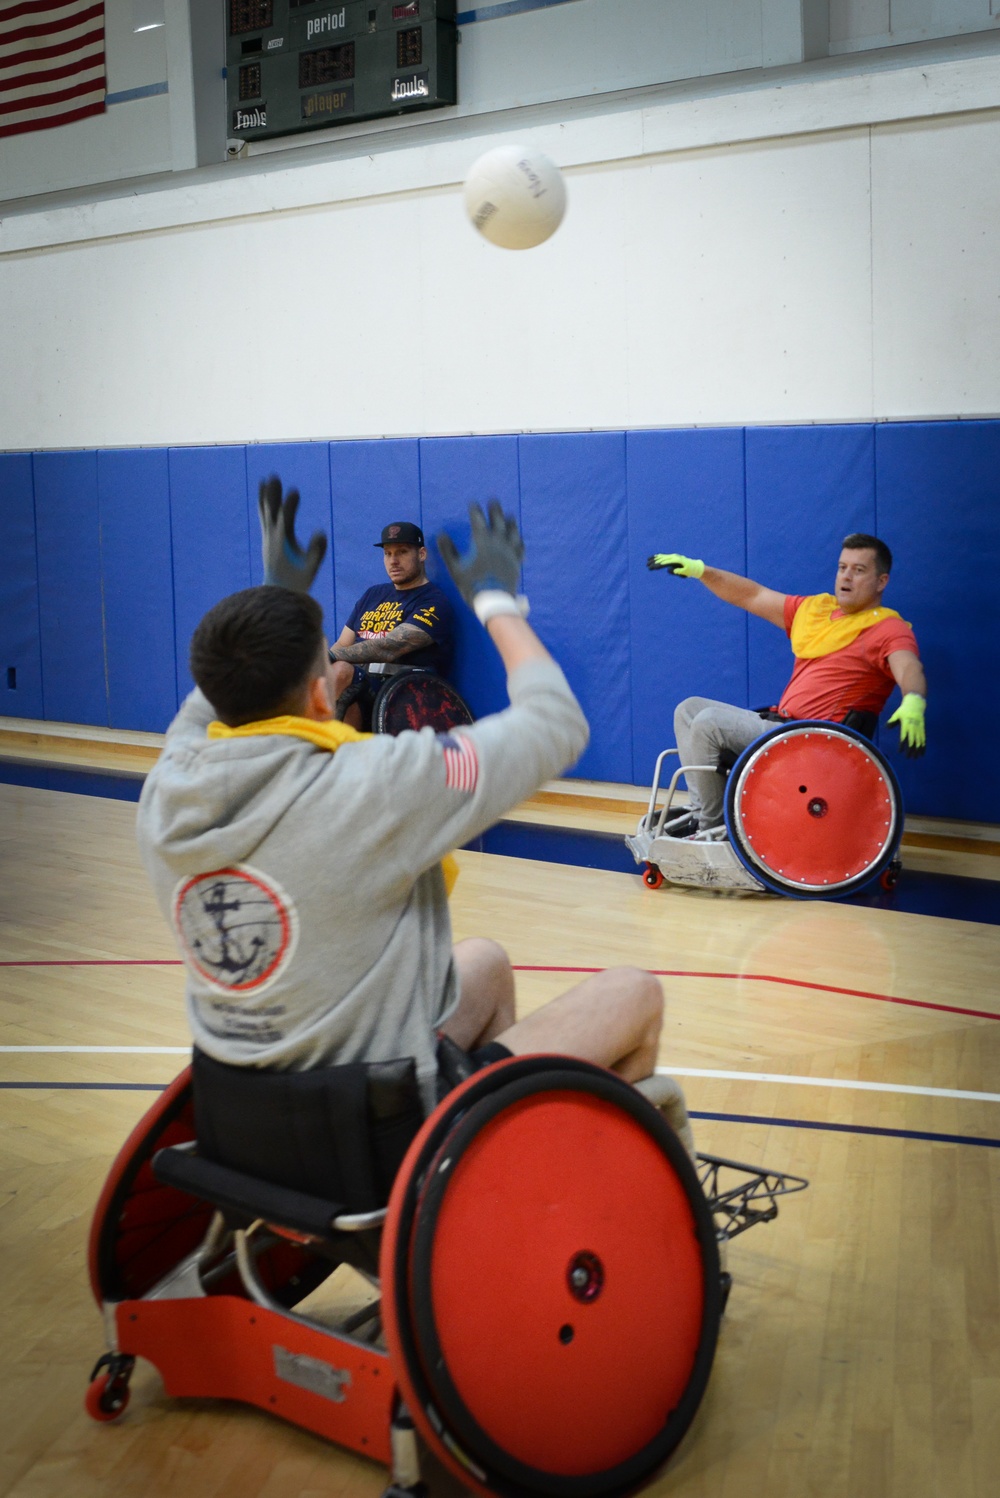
x: 575, y: 523
x: 685, y: 493
x: 937, y: 506
x: 211, y: 537
x: 372, y: 484
x: 20, y: 648
x: 773, y: 503
x: 454, y: 471
x: 304, y: 466
x: 138, y: 587
x: 74, y: 683
x: 807, y: 488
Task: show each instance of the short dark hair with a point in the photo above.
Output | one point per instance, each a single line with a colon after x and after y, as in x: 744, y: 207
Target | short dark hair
x: 252, y: 654
x: 860, y: 542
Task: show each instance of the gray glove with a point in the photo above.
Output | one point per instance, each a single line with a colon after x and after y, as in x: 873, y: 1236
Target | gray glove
x: 286, y: 565
x: 493, y: 562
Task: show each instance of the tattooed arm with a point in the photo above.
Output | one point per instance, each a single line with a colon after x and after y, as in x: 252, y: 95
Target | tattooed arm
x: 388, y: 647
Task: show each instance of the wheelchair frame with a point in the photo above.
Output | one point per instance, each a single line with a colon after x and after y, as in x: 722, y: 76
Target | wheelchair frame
x: 195, y: 1280
x: 821, y: 833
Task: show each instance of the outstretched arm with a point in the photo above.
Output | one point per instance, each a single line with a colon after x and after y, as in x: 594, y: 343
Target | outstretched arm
x: 746, y: 594
x: 729, y: 586
x: 388, y: 647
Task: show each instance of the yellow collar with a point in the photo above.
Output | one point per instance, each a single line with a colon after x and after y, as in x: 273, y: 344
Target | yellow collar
x: 330, y: 736
x: 815, y: 632
x: 324, y: 735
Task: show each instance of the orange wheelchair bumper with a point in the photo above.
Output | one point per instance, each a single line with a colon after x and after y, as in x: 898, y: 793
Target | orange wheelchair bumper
x: 226, y: 1347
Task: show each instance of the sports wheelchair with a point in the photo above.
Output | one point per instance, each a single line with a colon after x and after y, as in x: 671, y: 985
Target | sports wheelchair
x: 392, y: 698
x: 812, y: 810
x: 542, y: 1253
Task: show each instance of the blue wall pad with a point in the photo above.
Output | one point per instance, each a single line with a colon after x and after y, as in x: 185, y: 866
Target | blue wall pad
x: 772, y: 503
x: 304, y: 466
x: 69, y: 587
x: 575, y: 526
x: 372, y: 484
x: 685, y: 493
x: 137, y: 571
x: 104, y: 783
x: 454, y: 471
x: 211, y: 537
x: 937, y: 498
x: 807, y: 488
x: 20, y: 646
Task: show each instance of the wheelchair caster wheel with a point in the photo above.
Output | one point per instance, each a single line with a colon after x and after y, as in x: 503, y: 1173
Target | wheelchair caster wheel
x: 108, y: 1392
x: 889, y: 877
x: 652, y: 878
x: 725, y: 1285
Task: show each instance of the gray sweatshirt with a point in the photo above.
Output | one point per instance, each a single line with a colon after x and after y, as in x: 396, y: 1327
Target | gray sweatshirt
x: 304, y: 887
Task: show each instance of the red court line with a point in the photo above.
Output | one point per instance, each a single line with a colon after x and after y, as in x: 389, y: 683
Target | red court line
x: 854, y: 993
x: 528, y: 967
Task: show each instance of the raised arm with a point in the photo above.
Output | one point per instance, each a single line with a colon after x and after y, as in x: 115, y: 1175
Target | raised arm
x: 729, y: 586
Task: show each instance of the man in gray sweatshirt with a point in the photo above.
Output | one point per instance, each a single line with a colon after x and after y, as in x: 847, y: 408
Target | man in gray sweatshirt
x: 299, y: 862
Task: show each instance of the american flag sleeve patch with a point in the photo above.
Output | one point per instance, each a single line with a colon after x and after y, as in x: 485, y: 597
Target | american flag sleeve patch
x: 461, y: 767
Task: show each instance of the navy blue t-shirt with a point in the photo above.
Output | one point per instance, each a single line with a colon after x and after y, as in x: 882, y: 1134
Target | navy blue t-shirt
x: 385, y: 607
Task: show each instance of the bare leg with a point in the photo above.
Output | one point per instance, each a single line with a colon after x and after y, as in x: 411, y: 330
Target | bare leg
x: 486, y: 1005
x: 613, y: 1019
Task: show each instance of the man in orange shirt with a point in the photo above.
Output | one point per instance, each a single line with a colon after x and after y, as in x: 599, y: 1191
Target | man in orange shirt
x: 849, y: 653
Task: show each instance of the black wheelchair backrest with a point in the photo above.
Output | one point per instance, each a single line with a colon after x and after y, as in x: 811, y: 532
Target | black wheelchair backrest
x: 337, y: 1133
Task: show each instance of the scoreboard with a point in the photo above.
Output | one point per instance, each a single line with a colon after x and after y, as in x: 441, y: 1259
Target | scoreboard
x: 295, y: 65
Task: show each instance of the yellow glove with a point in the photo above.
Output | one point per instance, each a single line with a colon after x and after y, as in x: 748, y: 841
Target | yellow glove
x: 910, y: 717
x: 675, y: 563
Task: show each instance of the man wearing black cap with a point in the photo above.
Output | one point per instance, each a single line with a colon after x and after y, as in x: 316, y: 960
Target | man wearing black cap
x: 407, y: 621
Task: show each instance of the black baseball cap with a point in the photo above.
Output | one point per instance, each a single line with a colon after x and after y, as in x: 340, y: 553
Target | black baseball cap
x: 402, y: 533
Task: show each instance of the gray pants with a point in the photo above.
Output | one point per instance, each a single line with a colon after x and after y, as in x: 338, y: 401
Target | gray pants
x: 702, y: 729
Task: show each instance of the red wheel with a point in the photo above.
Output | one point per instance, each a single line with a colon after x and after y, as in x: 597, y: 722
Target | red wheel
x: 653, y: 876
x: 889, y: 877
x: 106, y: 1398
x: 576, y: 1367
x: 813, y: 809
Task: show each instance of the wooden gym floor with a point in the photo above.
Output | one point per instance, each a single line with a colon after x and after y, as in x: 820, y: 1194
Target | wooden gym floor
x: 860, y: 1355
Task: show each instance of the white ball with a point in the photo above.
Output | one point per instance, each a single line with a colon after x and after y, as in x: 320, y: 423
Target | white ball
x: 515, y: 197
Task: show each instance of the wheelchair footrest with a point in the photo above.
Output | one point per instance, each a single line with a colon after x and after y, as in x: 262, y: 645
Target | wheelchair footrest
x: 750, y: 1199
x: 244, y: 1198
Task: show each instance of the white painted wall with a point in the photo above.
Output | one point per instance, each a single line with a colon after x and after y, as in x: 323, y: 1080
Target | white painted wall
x: 858, y: 24
x: 818, y: 249
x: 570, y: 51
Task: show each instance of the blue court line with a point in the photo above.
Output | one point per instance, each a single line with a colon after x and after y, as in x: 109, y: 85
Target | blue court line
x: 147, y: 91
x: 507, y: 8
x: 836, y: 1128
x: 744, y: 1118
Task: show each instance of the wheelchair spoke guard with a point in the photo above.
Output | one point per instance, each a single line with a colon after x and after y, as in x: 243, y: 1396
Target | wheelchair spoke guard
x: 551, y: 1282
x: 813, y: 809
x: 418, y: 700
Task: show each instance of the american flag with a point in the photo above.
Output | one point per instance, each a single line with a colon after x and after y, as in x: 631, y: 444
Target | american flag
x: 461, y: 767
x: 51, y: 63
